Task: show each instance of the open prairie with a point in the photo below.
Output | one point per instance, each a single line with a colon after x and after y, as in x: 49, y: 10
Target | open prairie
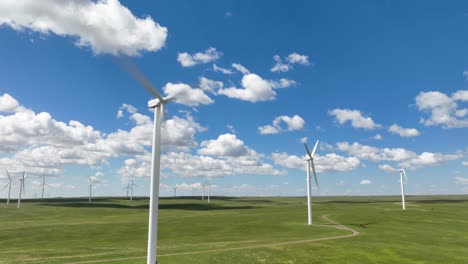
x: 238, y: 230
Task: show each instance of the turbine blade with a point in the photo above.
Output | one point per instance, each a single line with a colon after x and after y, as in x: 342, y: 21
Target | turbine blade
x: 6, y: 185
x: 315, y: 148
x: 406, y: 179
x: 308, y: 152
x: 315, y: 173
x: 133, y: 70
x: 8, y: 174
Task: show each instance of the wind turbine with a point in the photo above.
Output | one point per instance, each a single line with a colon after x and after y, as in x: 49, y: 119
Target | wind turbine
x: 132, y: 185
x: 127, y: 188
x: 175, y: 190
x: 22, y: 190
x: 158, y: 104
x: 9, y: 187
x: 91, y: 181
x: 203, y: 191
x: 43, y: 186
x: 310, y: 163
x: 209, y: 191
x: 402, y: 185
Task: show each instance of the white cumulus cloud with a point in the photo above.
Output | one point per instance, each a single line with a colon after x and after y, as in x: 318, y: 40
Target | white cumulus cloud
x: 241, y: 68
x: 365, y: 182
x: 210, y: 86
x: 216, y: 68
x: 186, y: 95
x: 443, y: 109
x: 461, y: 180
x: 224, y: 145
x: 105, y: 26
x: 254, y: 89
x: 330, y: 162
x: 355, y: 117
x: 188, y: 60
x: 292, y: 123
x: 8, y: 104
x: 405, y: 158
x: 293, y: 58
x: 403, y: 132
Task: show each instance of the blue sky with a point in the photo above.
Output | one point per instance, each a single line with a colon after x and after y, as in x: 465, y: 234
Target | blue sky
x: 382, y: 84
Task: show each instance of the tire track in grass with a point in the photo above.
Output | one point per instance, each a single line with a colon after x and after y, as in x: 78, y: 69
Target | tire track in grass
x: 325, y: 217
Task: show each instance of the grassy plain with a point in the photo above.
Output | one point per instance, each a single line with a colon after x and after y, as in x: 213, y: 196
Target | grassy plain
x: 238, y: 230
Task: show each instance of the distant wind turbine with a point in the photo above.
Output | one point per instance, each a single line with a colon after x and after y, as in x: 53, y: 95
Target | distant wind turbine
x: 43, y: 186
x: 132, y: 185
x: 310, y: 163
x: 22, y: 189
x: 175, y: 190
x: 9, y: 187
x: 91, y: 182
x: 209, y: 191
x: 203, y: 191
x: 402, y: 185
x: 127, y: 188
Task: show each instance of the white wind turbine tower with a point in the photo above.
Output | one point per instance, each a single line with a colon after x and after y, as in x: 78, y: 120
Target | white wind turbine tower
x: 310, y: 163
x: 158, y: 104
x: 22, y: 190
x: 127, y: 188
x: 132, y: 185
x: 203, y: 191
x: 175, y: 190
x: 43, y: 186
x: 9, y: 187
x: 209, y: 191
x: 91, y: 182
x: 402, y: 185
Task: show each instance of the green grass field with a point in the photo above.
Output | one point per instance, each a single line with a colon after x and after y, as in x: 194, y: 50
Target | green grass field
x: 238, y: 230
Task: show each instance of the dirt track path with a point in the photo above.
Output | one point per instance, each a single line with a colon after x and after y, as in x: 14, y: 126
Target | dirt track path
x: 325, y: 217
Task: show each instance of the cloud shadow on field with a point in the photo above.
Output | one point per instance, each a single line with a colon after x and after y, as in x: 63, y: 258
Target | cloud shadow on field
x: 440, y: 201
x: 178, y: 206
x: 203, y: 207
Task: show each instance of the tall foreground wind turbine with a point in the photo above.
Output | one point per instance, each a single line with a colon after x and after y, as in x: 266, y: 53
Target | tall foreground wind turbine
x: 402, y: 185
x: 158, y: 104
x: 9, y: 187
x: 310, y: 164
x: 22, y: 190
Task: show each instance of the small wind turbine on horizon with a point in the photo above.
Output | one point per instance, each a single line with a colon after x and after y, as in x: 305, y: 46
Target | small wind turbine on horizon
x: 129, y: 188
x: 402, y: 185
x: 132, y: 185
x: 91, y: 182
x: 175, y: 190
x: 22, y: 189
x: 209, y: 191
x: 203, y: 190
x: 310, y: 164
x: 43, y: 186
x: 9, y: 187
